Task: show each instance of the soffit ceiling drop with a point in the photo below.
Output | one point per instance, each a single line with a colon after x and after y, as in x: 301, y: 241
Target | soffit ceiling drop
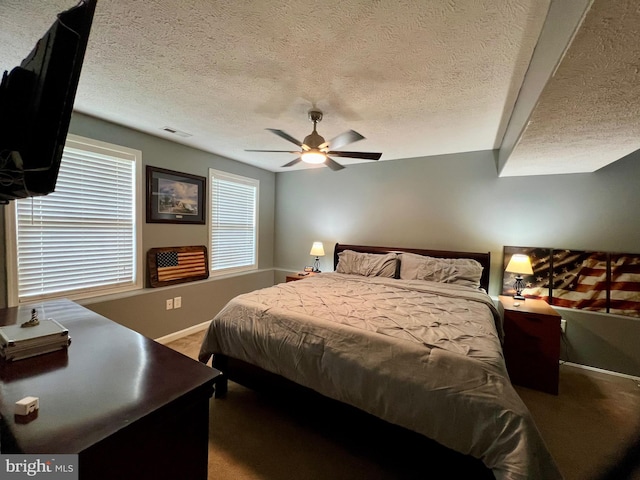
x: 415, y: 78
x: 588, y: 114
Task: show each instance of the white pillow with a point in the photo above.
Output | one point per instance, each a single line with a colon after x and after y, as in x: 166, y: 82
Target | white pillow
x: 367, y: 264
x: 461, y: 271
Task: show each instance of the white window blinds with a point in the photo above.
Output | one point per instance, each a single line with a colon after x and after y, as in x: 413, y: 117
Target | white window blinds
x: 82, y: 237
x: 234, y: 229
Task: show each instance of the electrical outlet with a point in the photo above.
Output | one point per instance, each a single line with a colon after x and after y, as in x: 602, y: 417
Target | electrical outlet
x: 169, y: 303
x: 563, y: 325
x: 177, y: 302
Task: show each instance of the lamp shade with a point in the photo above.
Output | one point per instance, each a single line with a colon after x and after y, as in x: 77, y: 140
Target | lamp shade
x: 520, y: 264
x: 317, y: 249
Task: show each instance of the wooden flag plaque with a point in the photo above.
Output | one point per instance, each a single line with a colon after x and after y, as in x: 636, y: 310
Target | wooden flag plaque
x: 171, y: 265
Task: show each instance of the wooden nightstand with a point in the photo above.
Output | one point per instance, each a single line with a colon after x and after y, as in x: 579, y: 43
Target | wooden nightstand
x: 532, y: 343
x: 297, y: 276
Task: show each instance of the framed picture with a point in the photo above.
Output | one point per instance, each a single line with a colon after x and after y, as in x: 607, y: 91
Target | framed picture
x: 174, y: 197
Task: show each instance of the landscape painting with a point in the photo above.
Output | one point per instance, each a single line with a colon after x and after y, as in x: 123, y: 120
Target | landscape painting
x: 177, y: 197
x: 174, y: 197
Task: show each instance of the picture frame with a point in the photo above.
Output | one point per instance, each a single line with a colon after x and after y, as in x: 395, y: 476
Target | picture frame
x: 175, y: 197
x: 597, y: 281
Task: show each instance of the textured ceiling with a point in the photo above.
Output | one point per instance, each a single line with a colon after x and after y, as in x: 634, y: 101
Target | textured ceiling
x: 589, y: 112
x: 415, y: 78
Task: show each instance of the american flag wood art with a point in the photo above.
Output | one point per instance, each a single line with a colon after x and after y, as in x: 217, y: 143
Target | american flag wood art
x: 171, y: 265
x: 596, y: 281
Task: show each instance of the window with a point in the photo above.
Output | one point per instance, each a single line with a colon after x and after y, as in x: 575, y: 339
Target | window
x: 234, y: 223
x: 83, y: 239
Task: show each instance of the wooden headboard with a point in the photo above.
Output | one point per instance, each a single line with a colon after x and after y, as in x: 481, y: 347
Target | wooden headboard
x: 483, y: 258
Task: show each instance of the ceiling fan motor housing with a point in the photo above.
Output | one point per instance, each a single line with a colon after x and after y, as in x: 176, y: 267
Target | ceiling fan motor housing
x: 314, y: 140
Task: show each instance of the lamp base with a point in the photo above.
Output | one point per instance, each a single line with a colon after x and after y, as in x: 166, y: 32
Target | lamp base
x: 518, y: 287
x: 316, y: 265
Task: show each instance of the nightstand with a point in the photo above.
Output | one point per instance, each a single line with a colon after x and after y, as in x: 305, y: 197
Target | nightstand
x: 297, y: 276
x: 532, y: 343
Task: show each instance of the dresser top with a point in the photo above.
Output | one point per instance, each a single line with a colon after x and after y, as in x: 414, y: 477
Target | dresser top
x: 110, y: 377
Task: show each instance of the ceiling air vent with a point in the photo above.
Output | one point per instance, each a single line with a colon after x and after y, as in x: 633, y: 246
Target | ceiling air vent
x: 177, y: 132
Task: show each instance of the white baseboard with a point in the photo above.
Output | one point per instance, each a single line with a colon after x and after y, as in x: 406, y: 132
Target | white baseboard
x: 600, y: 370
x: 183, y: 333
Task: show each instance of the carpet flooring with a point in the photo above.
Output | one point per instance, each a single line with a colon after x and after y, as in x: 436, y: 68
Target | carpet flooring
x: 589, y: 427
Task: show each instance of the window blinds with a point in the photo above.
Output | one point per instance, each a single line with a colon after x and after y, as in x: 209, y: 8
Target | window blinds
x: 234, y: 202
x: 82, y: 237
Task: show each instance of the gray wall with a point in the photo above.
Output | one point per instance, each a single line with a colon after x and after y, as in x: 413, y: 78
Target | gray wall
x: 454, y: 202
x: 457, y: 202
x: 144, y: 310
x: 165, y: 154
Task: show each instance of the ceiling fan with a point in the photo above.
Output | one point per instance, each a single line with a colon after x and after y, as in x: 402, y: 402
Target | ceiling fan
x: 316, y: 150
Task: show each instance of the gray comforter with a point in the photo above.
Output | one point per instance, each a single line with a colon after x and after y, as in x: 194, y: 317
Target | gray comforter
x: 422, y: 355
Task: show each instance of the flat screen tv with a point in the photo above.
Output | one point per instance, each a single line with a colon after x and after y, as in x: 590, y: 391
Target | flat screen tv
x: 36, y: 101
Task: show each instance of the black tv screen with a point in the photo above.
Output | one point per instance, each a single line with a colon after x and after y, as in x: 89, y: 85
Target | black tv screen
x: 36, y: 101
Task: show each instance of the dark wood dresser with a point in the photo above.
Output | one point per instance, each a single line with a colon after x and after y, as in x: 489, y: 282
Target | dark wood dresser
x: 130, y: 407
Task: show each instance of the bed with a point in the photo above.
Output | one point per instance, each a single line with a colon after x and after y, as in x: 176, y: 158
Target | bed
x: 407, y: 335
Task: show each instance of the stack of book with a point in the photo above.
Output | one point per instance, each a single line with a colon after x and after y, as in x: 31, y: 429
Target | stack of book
x: 32, y: 338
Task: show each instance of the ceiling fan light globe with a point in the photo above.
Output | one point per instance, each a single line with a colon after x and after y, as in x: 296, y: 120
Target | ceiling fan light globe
x: 313, y: 157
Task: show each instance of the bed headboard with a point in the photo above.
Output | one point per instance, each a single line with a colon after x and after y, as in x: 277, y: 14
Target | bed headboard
x: 483, y: 258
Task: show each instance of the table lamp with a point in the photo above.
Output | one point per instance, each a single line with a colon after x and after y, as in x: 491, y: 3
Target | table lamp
x: 318, y: 250
x: 519, y: 264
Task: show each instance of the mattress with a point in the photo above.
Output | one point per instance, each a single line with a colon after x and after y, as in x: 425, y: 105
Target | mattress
x: 423, y: 355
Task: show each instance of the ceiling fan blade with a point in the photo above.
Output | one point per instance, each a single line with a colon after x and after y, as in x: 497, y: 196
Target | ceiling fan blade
x: 333, y: 165
x: 292, y: 162
x: 363, y: 155
x: 286, y: 136
x: 343, y: 139
x: 274, y: 151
